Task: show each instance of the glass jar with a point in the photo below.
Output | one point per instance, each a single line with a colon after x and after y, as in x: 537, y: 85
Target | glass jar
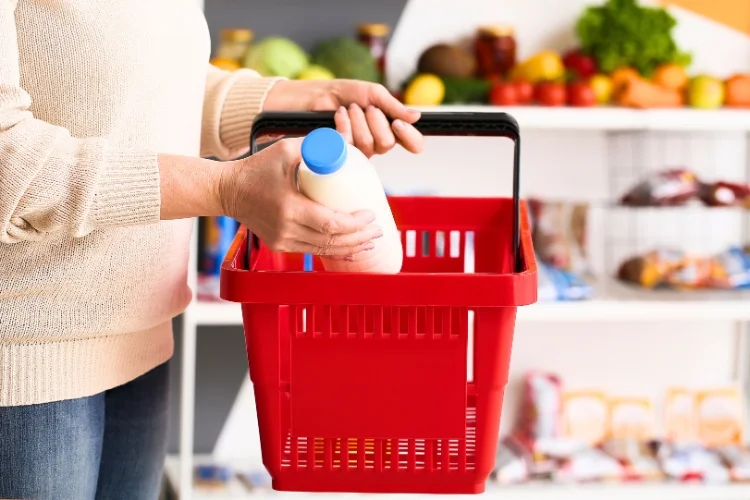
x: 234, y: 44
x: 375, y: 36
x: 495, y: 50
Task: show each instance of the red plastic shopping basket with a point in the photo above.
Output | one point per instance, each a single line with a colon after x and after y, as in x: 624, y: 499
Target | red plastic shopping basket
x: 362, y: 381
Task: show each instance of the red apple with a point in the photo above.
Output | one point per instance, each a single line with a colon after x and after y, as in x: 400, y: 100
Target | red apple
x: 579, y: 64
x: 581, y: 95
x: 525, y: 91
x: 503, y: 94
x: 550, y: 93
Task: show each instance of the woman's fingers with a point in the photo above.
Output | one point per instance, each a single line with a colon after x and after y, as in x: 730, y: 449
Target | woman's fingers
x: 344, y: 124
x: 361, y: 134
x: 408, y: 136
x: 326, y: 221
x: 339, y: 244
x: 381, y: 130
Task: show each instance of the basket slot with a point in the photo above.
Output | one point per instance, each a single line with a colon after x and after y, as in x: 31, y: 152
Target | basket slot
x: 377, y: 322
x: 410, y: 245
x: 440, y: 244
x: 327, y: 321
x: 455, y: 244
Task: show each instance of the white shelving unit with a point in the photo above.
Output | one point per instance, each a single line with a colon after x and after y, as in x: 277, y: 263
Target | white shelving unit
x: 617, y: 304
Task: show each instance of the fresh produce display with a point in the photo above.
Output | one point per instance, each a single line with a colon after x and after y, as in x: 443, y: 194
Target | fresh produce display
x: 670, y: 268
x: 626, y: 56
x: 564, y: 436
x: 424, y: 90
x: 678, y: 186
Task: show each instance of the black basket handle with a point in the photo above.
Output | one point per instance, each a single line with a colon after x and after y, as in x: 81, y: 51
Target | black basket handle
x: 490, y: 124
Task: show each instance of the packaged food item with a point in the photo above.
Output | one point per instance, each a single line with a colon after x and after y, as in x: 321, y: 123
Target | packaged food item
x: 541, y: 404
x: 585, y: 417
x: 692, y: 272
x: 638, y: 458
x: 632, y: 419
x: 375, y: 37
x: 731, y: 269
x: 558, y: 285
x: 737, y: 459
x: 212, y: 476
x: 720, y: 417
x: 666, y: 188
x: 512, y: 462
x: 215, y: 235
x: 495, y: 51
x: 234, y: 45
x: 692, y: 462
x: 651, y: 269
x: 559, y: 231
x: 590, y: 464
x: 725, y: 194
x: 680, y: 423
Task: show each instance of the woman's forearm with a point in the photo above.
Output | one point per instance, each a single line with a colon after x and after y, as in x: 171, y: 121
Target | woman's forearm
x: 190, y: 187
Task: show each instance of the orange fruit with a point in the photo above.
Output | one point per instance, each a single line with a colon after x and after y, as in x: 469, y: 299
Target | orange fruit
x: 621, y: 77
x: 671, y: 76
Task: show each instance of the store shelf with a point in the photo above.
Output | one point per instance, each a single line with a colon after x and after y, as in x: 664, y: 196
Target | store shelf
x: 613, y: 119
x: 610, y: 491
x: 614, y: 302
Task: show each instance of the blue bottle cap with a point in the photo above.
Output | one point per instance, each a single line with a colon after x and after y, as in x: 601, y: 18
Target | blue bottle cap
x: 324, y: 151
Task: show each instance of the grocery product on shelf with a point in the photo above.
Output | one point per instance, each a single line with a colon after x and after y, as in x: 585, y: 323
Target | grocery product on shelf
x: 579, y: 65
x: 375, y: 37
x: 541, y: 67
x: 541, y: 406
x: 495, y: 50
x: 255, y: 479
x: 720, y: 417
x: 215, y: 236
x: 737, y: 459
x: 680, y: 424
x: 725, y: 194
x: 212, y: 476
x: 513, y: 462
x: 276, y: 56
x: 424, y: 90
x: 585, y: 417
x: 705, y: 92
x: 637, y: 457
x: 346, y: 57
x: 625, y: 33
x: 560, y: 285
x: 339, y: 176
x: 670, y: 187
x: 670, y: 268
x: 737, y: 88
x: 632, y: 419
x: 581, y: 95
x: 446, y: 60
x: 234, y: 45
x: 559, y: 230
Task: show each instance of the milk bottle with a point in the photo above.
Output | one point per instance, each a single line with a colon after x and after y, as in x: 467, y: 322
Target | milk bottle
x: 336, y: 174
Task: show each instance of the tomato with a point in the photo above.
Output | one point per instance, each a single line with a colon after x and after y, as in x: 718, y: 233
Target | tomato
x: 580, y: 64
x: 525, y: 91
x: 503, y: 94
x: 581, y: 95
x: 550, y: 94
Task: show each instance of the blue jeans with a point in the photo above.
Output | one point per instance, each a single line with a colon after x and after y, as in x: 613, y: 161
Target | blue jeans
x: 108, y: 446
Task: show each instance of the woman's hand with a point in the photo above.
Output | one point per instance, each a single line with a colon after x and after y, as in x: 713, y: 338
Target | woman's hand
x: 261, y: 193
x: 362, y: 111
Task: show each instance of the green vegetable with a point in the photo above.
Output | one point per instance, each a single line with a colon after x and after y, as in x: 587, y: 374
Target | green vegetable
x: 622, y: 33
x: 466, y: 90
x: 276, y: 56
x: 346, y: 58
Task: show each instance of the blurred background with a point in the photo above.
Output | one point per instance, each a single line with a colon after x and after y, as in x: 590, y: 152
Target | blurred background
x: 630, y: 376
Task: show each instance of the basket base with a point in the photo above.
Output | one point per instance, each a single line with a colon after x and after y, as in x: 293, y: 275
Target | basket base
x: 379, y: 483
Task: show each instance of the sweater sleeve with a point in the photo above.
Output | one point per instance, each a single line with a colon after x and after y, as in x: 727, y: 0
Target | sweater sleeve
x: 52, y: 182
x: 232, y: 100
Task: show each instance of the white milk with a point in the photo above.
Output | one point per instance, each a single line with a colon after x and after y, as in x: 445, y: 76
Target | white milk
x: 339, y: 176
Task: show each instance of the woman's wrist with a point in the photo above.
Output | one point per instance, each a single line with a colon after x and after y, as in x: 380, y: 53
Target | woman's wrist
x: 191, y: 187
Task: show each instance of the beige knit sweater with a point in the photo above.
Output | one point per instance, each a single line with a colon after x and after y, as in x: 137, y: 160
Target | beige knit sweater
x: 90, y: 92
